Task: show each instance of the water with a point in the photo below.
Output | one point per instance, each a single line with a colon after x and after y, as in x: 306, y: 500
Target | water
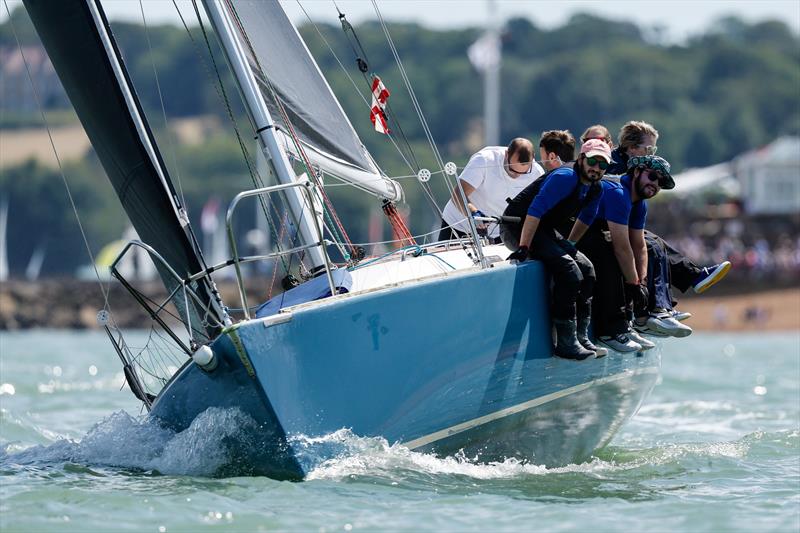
x: 716, y: 447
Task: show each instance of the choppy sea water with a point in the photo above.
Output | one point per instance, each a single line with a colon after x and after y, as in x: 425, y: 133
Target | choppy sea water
x: 715, y: 448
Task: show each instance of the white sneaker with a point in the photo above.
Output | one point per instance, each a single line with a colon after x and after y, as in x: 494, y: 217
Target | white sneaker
x: 621, y: 343
x: 680, y: 316
x: 640, y: 325
x: 667, y: 325
x: 646, y: 344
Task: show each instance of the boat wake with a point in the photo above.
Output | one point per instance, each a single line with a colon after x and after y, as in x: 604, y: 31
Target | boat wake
x: 142, y: 444
x: 207, y: 448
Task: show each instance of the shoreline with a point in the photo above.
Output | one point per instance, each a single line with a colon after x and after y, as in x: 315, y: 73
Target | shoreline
x: 72, y: 304
x: 764, y: 310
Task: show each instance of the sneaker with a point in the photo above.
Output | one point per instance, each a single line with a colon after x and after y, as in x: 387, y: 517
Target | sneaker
x: 667, y: 325
x: 641, y: 327
x: 621, y: 343
x: 709, y: 276
x: 680, y: 316
x: 646, y: 344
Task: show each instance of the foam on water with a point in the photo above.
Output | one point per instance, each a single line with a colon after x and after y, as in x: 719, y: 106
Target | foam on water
x: 204, y: 449
x: 126, y: 442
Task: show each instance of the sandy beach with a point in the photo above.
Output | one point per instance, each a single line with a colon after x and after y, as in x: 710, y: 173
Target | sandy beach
x: 771, y: 310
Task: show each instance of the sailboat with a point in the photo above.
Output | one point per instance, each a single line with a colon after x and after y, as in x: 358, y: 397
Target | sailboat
x: 443, y: 347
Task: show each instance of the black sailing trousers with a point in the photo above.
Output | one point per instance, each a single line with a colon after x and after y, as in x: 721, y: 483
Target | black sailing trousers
x: 682, y: 271
x: 611, y: 312
x: 572, y: 272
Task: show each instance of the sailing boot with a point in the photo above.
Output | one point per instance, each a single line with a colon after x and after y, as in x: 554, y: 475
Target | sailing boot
x: 583, y: 338
x: 567, y: 345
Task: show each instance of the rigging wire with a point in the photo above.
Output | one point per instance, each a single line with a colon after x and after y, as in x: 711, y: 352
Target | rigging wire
x: 163, y: 107
x: 410, y: 89
x: 222, y: 94
x: 37, y: 98
x: 330, y: 212
x: 353, y: 83
x: 363, y: 65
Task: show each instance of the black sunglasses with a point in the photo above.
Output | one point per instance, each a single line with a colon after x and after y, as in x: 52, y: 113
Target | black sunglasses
x: 600, y: 162
x: 530, y: 167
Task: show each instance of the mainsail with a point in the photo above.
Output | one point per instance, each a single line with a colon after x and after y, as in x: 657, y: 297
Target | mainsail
x: 285, y: 70
x: 78, y: 40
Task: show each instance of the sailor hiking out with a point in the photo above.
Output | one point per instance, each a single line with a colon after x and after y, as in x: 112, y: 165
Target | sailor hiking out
x: 552, y: 202
x: 616, y: 246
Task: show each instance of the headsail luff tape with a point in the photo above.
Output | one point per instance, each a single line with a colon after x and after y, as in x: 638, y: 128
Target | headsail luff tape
x: 377, y: 114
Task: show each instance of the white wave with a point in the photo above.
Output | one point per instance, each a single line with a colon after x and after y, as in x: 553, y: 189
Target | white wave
x: 374, y: 456
x: 142, y: 444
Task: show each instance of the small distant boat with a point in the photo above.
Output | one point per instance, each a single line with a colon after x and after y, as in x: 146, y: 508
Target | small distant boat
x: 444, y: 347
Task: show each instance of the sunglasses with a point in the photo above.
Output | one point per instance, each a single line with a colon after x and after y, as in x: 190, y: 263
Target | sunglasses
x: 654, y: 176
x: 600, y: 162
x: 650, y: 149
x: 530, y: 168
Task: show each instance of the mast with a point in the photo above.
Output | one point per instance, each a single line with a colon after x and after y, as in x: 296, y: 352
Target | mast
x: 265, y: 128
x: 491, y: 79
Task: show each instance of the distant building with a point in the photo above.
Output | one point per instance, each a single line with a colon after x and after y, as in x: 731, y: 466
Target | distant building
x: 16, y: 86
x: 765, y: 181
x: 770, y: 178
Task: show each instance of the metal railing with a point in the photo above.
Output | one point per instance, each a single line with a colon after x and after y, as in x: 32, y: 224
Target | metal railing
x: 308, y: 188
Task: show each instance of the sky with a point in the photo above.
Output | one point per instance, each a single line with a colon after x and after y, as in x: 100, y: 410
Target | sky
x: 680, y: 18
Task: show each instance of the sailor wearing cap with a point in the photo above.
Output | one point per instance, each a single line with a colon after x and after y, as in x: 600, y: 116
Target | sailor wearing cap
x: 616, y: 246
x: 564, y: 195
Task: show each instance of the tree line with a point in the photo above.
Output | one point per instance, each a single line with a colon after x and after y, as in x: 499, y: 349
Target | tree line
x: 731, y: 89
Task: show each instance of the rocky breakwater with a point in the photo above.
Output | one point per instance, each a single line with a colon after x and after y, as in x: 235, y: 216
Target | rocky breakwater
x: 73, y: 304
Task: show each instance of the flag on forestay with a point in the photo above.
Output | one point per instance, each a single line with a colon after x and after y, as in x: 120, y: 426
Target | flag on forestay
x: 377, y: 114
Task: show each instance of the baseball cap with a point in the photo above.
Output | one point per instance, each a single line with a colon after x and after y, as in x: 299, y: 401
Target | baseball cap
x: 596, y: 147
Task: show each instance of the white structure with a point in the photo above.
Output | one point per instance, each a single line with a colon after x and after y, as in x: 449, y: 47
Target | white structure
x: 766, y: 180
x: 770, y: 178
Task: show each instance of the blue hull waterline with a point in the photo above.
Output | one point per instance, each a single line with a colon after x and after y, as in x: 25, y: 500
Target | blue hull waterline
x: 400, y: 364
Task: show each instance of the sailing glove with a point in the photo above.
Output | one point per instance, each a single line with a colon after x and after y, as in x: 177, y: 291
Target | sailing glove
x: 569, y: 247
x: 521, y: 254
x: 636, y: 293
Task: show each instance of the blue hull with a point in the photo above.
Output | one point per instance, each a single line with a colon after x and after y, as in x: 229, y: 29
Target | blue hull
x: 461, y: 362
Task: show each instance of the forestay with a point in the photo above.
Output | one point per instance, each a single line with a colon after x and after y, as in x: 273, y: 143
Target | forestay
x: 77, y: 38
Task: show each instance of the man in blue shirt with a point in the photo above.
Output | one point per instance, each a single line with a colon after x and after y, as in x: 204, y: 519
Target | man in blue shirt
x: 557, y: 198
x: 638, y: 138
x: 616, y: 246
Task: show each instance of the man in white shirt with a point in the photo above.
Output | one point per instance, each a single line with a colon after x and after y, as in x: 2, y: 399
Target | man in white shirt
x: 492, y: 175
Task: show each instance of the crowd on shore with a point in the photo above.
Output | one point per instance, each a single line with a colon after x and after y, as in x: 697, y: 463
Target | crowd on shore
x: 754, y: 258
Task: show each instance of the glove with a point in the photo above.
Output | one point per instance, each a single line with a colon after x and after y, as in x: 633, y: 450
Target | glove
x: 521, y: 254
x: 480, y: 226
x: 637, y: 294
x: 569, y: 247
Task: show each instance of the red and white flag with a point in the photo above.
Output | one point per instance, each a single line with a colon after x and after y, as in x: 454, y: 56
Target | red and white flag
x: 377, y: 114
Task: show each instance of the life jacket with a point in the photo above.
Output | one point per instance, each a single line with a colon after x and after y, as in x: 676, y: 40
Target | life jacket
x: 561, y: 217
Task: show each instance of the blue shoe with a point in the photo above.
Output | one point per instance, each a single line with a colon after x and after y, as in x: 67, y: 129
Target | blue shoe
x: 710, y: 276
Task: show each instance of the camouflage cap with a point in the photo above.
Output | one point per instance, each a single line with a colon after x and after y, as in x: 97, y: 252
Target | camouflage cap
x: 657, y: 163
